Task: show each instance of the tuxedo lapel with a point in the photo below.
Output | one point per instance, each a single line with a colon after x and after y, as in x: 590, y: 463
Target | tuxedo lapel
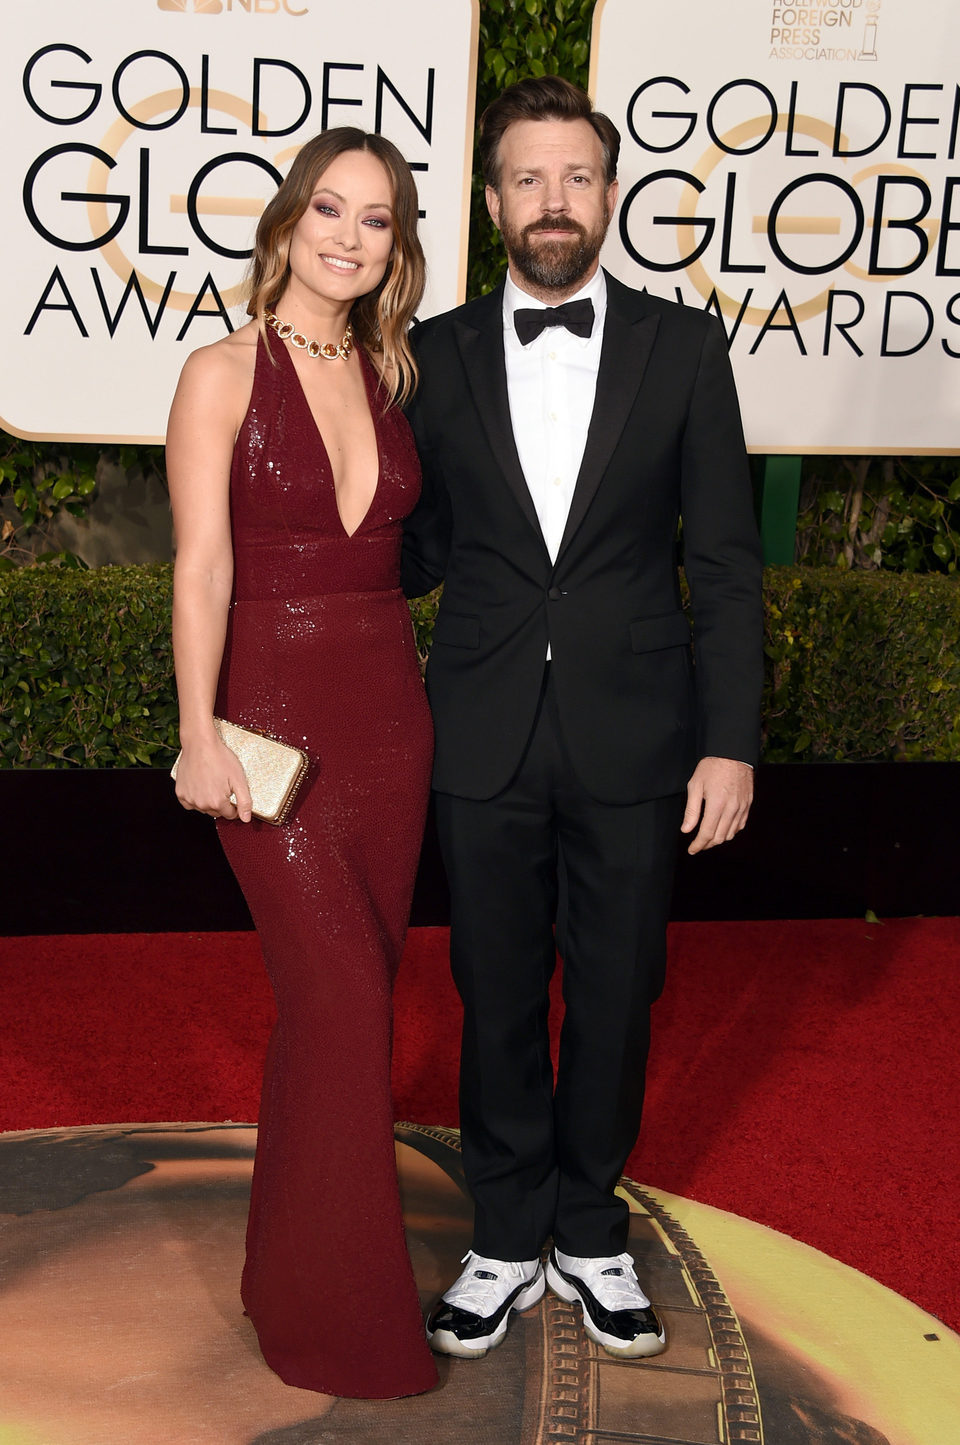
x: 628, y: 337
x: 481, y: 347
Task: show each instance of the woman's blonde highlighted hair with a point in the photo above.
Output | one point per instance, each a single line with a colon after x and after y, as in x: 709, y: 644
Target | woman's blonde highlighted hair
x: 381, y: 319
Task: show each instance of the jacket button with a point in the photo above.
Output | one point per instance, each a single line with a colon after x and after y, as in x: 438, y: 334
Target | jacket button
x: 554, y: 594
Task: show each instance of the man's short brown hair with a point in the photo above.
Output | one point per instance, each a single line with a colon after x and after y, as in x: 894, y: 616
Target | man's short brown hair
x: 545, y: 97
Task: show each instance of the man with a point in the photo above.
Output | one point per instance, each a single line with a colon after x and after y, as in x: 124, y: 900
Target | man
x: 574, y: 738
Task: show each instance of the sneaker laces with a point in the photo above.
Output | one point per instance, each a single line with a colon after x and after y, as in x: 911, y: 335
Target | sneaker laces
x: 485, y: 1283
x: 613, y: 1280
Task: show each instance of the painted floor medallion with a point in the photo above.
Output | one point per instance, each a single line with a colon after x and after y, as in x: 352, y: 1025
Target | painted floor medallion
x: 120, y: 1254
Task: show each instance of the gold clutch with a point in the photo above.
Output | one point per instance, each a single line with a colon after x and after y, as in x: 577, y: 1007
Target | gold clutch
x: 274, y: 770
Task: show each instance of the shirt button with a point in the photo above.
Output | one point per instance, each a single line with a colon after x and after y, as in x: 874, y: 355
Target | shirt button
x: 552, y: 355
x: 556, y: 481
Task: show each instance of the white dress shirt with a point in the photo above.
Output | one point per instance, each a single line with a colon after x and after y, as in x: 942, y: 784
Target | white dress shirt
x: 551, y: 385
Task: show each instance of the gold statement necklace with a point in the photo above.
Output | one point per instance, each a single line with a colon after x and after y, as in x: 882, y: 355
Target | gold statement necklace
x: 329, y: 350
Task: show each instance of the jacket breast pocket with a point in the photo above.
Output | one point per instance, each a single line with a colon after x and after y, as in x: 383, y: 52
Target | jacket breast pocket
x: 654, y: 634
x: 456, y: 630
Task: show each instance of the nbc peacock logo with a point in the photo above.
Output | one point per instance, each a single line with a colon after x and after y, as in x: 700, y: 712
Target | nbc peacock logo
x: 198, y: 7
x: 219, y: 7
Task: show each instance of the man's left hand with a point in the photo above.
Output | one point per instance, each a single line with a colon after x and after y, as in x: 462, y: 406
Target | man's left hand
x: 718, y: 797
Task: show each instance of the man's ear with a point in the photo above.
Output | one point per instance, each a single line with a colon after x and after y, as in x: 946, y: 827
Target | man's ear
x: 493, y: 204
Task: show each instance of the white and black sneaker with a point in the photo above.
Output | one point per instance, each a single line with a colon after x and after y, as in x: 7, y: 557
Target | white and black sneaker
x: 471, y: 1317
x: 616, y: 1312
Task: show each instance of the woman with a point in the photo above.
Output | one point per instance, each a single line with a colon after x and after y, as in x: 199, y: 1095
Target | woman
x: 291, y: 468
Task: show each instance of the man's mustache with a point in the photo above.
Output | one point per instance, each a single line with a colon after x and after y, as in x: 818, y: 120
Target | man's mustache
x: 553, y: 224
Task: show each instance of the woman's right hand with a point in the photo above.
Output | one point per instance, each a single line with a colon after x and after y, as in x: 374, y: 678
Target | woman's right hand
x: 210, y: 779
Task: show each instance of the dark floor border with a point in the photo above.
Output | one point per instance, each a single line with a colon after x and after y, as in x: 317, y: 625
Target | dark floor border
x: 111, y: 851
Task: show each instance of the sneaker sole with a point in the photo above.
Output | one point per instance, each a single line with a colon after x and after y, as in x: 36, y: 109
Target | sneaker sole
x: 643, y: 1345
x: 447, y: 1343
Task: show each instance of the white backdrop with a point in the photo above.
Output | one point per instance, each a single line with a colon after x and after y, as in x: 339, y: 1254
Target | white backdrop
x: 797, y: 169
x: 141, y: 139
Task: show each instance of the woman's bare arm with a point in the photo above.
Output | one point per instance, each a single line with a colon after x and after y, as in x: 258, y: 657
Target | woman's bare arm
x: 211, y: 399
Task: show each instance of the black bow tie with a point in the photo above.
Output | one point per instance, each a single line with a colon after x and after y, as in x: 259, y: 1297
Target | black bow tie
x: 576, y: 316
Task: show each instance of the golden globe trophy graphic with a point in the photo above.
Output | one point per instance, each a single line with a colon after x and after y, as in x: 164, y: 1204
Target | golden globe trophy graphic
x: 870, y: 28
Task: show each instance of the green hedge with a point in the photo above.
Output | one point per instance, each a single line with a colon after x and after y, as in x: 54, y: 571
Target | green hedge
x: 85, y: 667
x: 860, y: 666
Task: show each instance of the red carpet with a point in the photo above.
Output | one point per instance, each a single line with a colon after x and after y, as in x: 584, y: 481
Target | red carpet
x: 804, y: 1075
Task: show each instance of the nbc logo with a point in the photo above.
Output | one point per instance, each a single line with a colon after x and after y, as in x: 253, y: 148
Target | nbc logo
x: 217, y: 7
x: 199, y: 7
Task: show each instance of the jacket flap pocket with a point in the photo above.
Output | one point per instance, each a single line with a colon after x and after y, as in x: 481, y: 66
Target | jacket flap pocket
x: 654, y: 633
x: 456, y: 630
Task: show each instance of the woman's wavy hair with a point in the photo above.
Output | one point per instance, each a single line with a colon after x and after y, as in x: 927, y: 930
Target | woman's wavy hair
x: 381, y: 318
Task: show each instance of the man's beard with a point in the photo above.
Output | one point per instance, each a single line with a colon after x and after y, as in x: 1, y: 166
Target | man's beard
x: 553, y: 265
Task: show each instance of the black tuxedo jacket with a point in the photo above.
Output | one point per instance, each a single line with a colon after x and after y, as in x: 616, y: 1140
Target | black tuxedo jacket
x: 637, y: 706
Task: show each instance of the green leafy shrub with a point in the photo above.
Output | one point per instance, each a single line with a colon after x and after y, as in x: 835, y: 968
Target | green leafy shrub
x: 85, y: 667
x: 860, y: 666
x: 38, y: 480
x: 902, y: 513
x: 423, y: 613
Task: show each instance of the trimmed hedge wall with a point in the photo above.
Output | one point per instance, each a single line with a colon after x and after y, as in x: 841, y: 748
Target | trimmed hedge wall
x: 86, y: 667
x: 861, y: 666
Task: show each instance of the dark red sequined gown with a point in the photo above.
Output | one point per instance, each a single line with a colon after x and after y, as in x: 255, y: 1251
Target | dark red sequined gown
x: 320, y: 653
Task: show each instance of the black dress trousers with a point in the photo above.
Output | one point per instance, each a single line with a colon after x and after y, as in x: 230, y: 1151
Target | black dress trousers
x: 543, y: 1159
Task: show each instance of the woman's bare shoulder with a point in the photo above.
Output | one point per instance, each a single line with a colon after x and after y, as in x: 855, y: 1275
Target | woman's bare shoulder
x: 231, y: 359
x: 220, y: 376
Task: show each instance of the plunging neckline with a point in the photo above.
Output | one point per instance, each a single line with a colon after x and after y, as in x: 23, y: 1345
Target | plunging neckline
x: 366, y: 368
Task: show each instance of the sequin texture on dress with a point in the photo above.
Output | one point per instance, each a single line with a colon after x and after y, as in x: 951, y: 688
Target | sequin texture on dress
x: 320, y: 653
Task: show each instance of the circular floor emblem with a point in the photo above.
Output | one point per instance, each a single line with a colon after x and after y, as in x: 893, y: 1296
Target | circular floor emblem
x: 120, y: 1253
